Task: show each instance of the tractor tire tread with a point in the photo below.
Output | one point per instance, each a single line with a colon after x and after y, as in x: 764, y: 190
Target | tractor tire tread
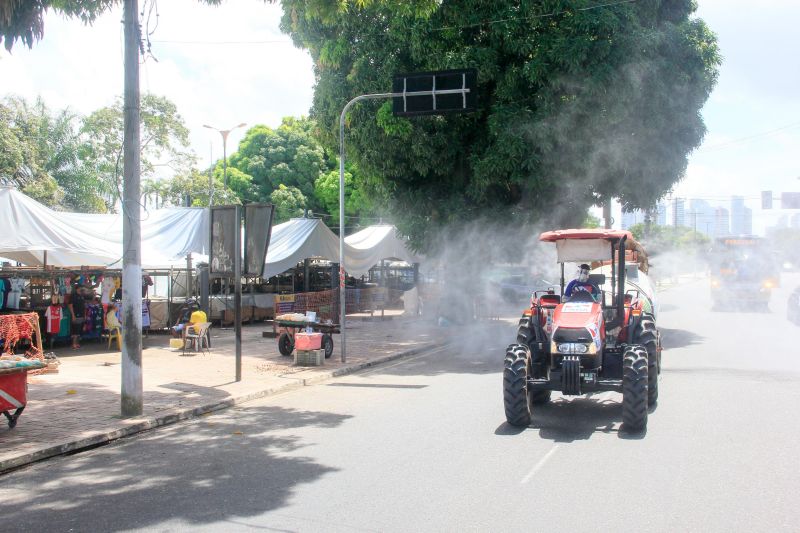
x: 515, y: 386
x: 634, y: 388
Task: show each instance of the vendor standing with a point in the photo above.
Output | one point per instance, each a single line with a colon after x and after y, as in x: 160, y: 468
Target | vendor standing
x: 77, y: 308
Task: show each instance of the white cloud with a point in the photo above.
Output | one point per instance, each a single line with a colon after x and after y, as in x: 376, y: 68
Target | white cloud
x: 218, y: 84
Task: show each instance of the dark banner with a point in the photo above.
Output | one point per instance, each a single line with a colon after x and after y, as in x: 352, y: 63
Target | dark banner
x: 257, y: 232
x: 224, y: 226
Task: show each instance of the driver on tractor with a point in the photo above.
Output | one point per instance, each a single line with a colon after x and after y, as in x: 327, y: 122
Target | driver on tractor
x: 582, y: 284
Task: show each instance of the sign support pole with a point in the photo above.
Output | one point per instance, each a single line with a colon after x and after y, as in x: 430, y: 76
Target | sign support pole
x: 237, y: 293
x: 404, y: 94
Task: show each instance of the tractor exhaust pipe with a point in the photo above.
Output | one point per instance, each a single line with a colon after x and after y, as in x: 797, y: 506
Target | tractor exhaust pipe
x: 620, y: 316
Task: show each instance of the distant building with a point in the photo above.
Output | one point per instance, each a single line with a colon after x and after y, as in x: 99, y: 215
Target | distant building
x: 678, y: 212
x: 741, y: 217
x: 661, y: 214
x: 634, y: 217
x: 722, y: 222
x: 701, y: 216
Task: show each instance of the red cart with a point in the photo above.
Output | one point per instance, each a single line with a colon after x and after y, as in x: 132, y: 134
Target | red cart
x: 288, y: 329
x: 14, y: 390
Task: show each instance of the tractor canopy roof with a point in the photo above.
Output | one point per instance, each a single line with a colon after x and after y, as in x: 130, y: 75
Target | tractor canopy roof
x: 588, y: 244
x: 594, y: 233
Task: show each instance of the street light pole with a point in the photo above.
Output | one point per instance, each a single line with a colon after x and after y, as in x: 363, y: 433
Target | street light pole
x: 224, y: 134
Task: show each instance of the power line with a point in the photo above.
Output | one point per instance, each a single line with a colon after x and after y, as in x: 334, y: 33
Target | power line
x: 748, y: 138
x: 534, y: 17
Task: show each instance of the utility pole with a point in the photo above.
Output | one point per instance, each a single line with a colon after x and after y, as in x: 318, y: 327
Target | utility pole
x: 131, y: 393
x: 607, y: 213
x: 210, y: 174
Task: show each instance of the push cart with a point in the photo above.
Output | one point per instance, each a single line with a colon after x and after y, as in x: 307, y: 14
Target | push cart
x: 288, y: 328
x: 14, y: 390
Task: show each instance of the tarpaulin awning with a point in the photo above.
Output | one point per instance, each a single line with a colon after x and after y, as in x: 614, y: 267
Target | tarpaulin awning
x: 74, y: 239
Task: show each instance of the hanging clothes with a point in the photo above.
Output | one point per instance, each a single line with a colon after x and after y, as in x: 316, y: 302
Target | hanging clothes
x: 54, y: 317
x: 147, y: 282
x: 146, y: 313
x: 108, y: 286
x: 93, y: 325
x: 5, y: 288
x: 65, y: 326
x: 16, y: 286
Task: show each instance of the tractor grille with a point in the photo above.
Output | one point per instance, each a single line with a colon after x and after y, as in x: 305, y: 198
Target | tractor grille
x: 572, y: 335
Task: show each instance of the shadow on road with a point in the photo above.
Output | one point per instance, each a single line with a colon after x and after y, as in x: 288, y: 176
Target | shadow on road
x: 577, y: 419
x: 679, y: 338
x: 211, y: 470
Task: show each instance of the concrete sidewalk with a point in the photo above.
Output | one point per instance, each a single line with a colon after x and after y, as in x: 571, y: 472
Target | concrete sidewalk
x: 79, y: 407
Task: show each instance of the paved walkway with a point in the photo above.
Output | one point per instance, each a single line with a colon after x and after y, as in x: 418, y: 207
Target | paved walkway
x: 80, y: 406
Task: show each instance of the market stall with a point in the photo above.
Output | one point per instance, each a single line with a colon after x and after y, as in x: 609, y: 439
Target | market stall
x: 18, y: 332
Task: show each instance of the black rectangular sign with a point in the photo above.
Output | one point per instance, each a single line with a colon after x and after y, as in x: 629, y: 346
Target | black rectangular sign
x: 224, y: 225
x: 435, y: 104
x: 257, y: 231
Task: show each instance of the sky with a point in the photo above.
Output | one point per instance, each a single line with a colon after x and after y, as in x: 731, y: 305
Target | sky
x: 231, y: 64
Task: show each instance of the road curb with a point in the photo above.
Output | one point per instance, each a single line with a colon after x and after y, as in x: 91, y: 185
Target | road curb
x: 173, y: 416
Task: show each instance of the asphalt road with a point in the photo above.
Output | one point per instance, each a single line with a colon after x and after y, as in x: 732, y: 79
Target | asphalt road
x: 422, y: 445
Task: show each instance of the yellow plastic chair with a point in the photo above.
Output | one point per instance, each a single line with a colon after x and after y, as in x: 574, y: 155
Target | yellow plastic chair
x: 115, y: 334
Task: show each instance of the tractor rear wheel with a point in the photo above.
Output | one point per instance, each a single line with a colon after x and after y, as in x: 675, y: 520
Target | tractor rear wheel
x: 634, y: 388
x: 524, y: 333
x: 647, y: 336
x: 516, y: 400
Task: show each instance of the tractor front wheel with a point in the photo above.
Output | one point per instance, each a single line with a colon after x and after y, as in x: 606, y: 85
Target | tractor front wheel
x: 634, y: 388
x: 524, y: 333
x: 516, y: 399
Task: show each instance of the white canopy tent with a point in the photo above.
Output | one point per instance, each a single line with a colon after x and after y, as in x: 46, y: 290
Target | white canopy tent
x: 30, y: 229
x: 373, y: 244
x: 168, y: 235
x: 299, y: 239
x: 74, y: 239
x: 310, y: 238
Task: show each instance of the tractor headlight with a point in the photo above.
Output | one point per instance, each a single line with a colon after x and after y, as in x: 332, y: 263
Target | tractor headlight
x: 572, y: 348
x: 769, y: 284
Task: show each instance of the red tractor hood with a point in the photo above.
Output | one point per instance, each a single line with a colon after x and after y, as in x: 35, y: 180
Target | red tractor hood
x: 586, y: 315
x: 577, y: 314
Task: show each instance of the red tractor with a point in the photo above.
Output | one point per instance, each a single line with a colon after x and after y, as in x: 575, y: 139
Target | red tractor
x: 586, y: 343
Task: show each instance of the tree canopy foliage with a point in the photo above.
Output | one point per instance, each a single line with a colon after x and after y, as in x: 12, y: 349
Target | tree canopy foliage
x: 288, y: 155
x: 74, y: 163
x: 578, y: 102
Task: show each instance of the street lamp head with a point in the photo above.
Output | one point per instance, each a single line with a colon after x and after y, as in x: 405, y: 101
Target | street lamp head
x: 241, y: 125
x: 209, y: 127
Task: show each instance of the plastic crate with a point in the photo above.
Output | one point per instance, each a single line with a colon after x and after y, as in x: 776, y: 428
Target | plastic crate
x: 309, y: 357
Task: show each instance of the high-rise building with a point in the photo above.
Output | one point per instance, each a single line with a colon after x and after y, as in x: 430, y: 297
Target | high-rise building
x: 631, y: 218
x: 701, y: 216
x: 661, y: 214
x: 722, y: 222
x: 741, y: 217
x: 678, y: 212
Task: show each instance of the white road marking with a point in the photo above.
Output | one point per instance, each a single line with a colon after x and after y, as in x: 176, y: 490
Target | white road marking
x: 539, y: 465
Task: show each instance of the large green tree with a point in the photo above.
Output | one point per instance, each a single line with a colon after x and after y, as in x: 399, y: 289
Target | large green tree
x: 288, y: 155
x: 578, y: 101
x: 42, y: 155
x: 164, y: 143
